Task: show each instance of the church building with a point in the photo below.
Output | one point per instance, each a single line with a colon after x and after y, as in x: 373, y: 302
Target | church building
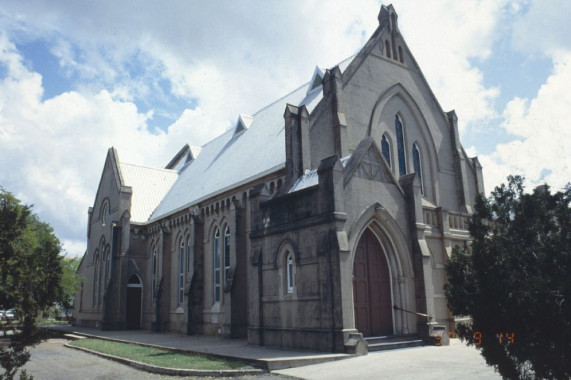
x: 321, y: 221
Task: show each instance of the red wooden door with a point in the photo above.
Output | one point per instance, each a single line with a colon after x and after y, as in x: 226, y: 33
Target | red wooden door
x: 372, y: 288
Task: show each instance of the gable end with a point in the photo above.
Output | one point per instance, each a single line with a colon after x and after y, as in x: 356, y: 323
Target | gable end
x: 368, y: 163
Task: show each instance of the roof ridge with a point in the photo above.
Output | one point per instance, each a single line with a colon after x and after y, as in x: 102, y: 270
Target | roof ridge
x: 280, y: 99
x: 149, y: 167
x: 303, y: 85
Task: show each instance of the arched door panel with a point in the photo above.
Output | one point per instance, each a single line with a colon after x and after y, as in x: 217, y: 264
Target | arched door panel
x: 371, y: 288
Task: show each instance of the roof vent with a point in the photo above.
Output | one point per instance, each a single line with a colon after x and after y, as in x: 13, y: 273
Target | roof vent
x: 316, y: 79
x: 186, y: 155
x: 243, y: 123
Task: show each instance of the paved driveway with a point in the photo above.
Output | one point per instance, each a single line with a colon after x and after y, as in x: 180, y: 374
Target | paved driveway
x: 51, y: 360
x: 456, y: 361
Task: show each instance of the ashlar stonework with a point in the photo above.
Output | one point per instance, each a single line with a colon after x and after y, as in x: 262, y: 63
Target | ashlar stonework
x: 323, y: 219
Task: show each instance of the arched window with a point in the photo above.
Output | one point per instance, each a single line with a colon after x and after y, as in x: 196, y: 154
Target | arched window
x: 388, y: 48
x: 401, y: 58
x: 154, y: 274
x: 105, y: 214
x: 386, y: 150
x: 400, y: 145
x: 289, y: 272
x: 226, y: 250
x: 181, y: 272
x: 216, y: 254
x: 417, y: 163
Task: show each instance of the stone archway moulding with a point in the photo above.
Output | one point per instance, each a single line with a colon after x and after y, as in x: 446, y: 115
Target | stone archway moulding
x: 397, y: 252
x: 398, y: 90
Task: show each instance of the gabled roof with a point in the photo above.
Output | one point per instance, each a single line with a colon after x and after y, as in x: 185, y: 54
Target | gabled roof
x: 254, y: 148
x: 149, y: 186
x: 235, y: 158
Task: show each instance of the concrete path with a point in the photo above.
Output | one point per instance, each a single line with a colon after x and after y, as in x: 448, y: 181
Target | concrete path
x: 264, y: 357
x: 456, y: 361
x: 50, y: 360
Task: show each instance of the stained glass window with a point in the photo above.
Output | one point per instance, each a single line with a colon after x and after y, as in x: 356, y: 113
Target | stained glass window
x: 417, y: 165
x: 400, y: 145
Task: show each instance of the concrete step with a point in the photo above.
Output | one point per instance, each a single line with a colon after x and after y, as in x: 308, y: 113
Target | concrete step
x: 391, y: 342
x: 73, y: 336
x: 390, y: 338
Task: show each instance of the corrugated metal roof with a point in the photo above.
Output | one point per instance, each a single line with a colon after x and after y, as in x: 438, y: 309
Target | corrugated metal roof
x: 311, y: 178
x: 232, y: 159
x: 149, y: 186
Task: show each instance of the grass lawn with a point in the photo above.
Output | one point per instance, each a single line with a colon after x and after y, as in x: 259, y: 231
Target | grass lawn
x: 158, y: 357
x: 50, y: 322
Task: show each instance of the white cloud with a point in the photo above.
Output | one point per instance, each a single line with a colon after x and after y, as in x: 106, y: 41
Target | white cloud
x: 443, y: 36
x: 53, y: 150
x: 74, y: 248
x: 224, y: 58
x: 544, y: 29
x: 541, y: 153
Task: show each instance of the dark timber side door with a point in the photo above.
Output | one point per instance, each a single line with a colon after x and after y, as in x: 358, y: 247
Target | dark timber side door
x: 371, y: 288
x: 134, y: 303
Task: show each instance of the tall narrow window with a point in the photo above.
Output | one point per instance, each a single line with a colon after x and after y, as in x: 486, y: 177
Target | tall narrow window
x: 108, y: 266
x: 417, y: 165
x: 388, y: 48
x: 105, y: 214
x: 226, y: 250
x: 181, y: 273
x: 102, y: 277
x: 289, y: 271
x: 386, y: 149
x: 154, y: 274
x: 401, y: 59
x: 96, y: 281
x: 216, y: 253
x: 400, y: 145
x: 188, y: 254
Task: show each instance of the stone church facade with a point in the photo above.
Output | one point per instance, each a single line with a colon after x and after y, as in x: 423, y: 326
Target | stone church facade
x: 323, y: 218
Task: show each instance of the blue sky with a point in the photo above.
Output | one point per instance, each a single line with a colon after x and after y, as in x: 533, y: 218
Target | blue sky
x: 148, y: 77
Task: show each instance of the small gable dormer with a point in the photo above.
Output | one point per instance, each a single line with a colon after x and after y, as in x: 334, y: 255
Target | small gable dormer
x: 184, y: 157
x: 316, y: 79
x: 243, y: 123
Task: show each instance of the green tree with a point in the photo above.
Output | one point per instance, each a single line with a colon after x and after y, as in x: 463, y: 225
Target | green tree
x: 514, y: 281
x: 70, y: 282
x: 30, y: 277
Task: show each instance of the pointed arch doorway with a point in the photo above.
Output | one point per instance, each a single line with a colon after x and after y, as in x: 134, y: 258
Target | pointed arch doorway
x: 372, y: 288
x: 134, y: 302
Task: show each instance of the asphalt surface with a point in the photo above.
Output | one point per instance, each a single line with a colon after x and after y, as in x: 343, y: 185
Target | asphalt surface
x: 51, y: 360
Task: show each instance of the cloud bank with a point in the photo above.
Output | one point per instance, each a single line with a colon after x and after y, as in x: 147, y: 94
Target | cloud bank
x: 148, y: 78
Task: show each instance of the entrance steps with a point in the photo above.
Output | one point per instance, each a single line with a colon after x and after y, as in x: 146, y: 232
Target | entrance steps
x: 391, y: 342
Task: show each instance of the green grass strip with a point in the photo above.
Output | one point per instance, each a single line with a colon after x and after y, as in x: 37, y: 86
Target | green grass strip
x: 156, y: 356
